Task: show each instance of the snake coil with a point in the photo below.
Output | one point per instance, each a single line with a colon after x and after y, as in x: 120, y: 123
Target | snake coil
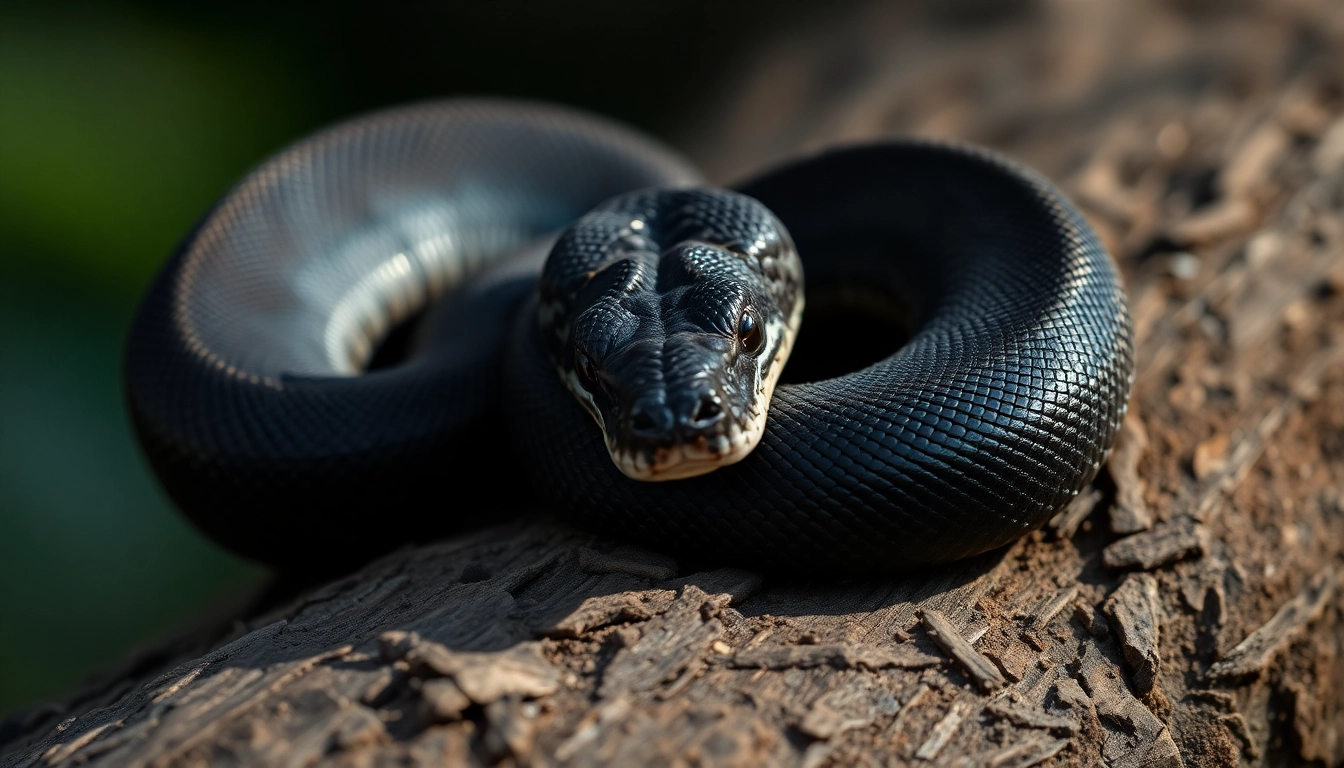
x: 247, y: 366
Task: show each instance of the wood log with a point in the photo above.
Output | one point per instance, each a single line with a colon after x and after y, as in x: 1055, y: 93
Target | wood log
x: 1186, y: 612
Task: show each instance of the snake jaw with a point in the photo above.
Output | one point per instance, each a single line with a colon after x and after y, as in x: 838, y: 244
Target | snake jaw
x: 689, y: 459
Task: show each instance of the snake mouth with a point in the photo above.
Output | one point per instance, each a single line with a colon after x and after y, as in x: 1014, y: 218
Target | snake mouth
x: 690, y: 458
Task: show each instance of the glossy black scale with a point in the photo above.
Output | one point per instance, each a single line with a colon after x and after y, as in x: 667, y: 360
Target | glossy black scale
x: 243, y: 364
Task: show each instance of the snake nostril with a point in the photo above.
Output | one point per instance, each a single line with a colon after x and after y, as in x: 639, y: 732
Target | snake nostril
x: 643, y: 423
x: 707, y: 412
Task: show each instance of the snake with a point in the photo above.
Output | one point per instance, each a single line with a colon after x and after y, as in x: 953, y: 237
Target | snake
x: 430, y: 317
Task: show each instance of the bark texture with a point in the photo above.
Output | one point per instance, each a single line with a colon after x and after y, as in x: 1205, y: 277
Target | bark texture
x: 1186, y: 611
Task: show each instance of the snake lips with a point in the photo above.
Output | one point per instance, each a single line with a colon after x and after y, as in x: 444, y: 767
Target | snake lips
x: 670, y: 316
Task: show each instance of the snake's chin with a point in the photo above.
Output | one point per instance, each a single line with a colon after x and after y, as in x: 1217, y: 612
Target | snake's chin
x: 678, y: 462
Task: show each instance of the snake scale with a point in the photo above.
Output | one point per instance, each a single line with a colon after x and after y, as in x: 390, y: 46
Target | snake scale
x: 599, y: 320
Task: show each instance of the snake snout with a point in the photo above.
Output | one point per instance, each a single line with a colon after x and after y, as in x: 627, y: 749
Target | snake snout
x: 680, y: 418
x: 676, y: 431
x: 705, y: 411
x: 649, y: 419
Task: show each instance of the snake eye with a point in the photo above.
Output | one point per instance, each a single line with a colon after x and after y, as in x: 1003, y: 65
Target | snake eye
x: 750, y: 334
x: 587, y: 371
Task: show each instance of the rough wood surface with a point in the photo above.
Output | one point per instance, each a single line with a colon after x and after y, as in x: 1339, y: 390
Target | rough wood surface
x: 1186, y: 612
x: 1135, y: 611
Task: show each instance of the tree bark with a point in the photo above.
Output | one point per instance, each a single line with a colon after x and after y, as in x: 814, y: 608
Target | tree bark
x: 1186, y: 610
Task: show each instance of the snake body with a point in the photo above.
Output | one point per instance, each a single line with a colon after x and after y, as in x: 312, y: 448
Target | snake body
x: 247, y: 380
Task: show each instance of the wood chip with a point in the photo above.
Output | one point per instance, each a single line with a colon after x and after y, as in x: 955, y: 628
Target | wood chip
x: 1210, y: 456
x: 1251, y: 656
x: 896, y: 731
x: 817, y: 754
x: 1025, y: 753
x: 1087, y: 616
x: 605, y: 610
x: 737, y: 583
x: 1068, y: 520
x: 1072, y: 696
x: 944, y: 730
x: 1254, y: 160
x: 1166, y: 543
x: 483, y: 677
x: 1049, y: 608
x: 357, y: 728
x: 510, y: 732
x: 1135, y: 610
x: 981, y: 669
x: 443, y: 700
x: 1257, y: 434
x: 1130, y: 512
x: 1216, y: 222
x: 1152, y: 745
x: 609, y: 714
x: 1012, y: 660
x: 672, y: 646
x: 833, y: 655
x: 1032, y: 719
x: 824, y: 721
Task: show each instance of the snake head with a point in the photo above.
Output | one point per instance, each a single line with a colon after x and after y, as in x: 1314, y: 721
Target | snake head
x: 669, y: 316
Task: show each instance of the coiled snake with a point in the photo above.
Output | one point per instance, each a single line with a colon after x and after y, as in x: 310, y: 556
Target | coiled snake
x: 666, y: 308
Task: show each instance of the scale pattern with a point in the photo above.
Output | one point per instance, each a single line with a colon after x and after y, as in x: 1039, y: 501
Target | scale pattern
x: 997, y: 412
x: 242, y: 368
x: 243, y: 365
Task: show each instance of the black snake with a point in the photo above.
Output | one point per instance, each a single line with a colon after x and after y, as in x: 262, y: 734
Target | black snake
x: 667, y: 309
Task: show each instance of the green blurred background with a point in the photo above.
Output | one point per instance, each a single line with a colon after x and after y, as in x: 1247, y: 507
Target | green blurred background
x: 119, y: 125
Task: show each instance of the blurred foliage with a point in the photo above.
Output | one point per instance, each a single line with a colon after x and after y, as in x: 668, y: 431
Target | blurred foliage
x: 121, y: 124
x: 118, y: 131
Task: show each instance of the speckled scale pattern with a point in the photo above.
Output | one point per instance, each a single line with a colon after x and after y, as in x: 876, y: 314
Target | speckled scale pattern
x: 996, y: 413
